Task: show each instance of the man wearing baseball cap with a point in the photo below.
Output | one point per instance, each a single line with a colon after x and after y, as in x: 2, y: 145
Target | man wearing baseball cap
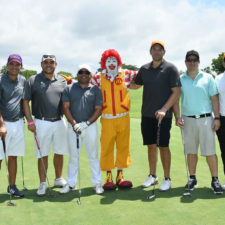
x: 220, y: 83
x: 199, y: 98
x: 11, y: 89
x: 45, y: 91
x: 82, y: 105
x: 161, y: 89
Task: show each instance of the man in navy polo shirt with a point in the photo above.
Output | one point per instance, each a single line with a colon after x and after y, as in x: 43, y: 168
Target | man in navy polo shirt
x: 11, y: 92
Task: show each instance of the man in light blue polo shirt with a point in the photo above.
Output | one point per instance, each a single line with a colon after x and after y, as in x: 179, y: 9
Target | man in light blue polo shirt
x: 199, y: 98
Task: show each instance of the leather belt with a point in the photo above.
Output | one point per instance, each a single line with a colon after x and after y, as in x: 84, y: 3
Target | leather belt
x: 201, y: 116
x: 49, y: 119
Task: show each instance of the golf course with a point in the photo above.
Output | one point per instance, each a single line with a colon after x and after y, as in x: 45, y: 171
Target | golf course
x: 120, y: 207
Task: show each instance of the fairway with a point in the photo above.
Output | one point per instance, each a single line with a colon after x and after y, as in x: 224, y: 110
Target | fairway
x: 118, y: 207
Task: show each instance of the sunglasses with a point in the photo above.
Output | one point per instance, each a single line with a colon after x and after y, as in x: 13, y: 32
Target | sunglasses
x: 192, y: 60
x: 44, y: 57
x: 84, y: 72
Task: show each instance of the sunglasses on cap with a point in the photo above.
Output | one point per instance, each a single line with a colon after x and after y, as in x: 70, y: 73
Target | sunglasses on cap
x: 44, y: 57
x: 192, y: 60
x: 84, y: 72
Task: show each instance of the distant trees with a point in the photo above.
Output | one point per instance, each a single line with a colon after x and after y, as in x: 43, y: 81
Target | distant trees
x: 28, y: 73
x: 216, y: 66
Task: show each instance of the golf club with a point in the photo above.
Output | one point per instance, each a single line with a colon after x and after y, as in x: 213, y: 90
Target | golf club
x: 10, y: 203
x: 78, y: 148
x: 24, y: 188
x: 157, y: 145
x: 187, y: 193
x: 50, y: 194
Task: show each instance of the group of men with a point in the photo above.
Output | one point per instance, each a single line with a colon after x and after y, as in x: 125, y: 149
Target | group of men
x: 106, y: 94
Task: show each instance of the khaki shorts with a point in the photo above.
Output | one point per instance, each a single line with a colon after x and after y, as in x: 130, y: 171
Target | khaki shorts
x: 51, y: 133
x: 198, y: 132
x: 15, y: 139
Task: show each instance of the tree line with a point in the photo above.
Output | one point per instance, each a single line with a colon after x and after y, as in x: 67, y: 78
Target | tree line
x: 214, y: 69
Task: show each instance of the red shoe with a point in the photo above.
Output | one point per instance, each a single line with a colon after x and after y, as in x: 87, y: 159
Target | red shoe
x: 121, y: 183
x: 109, y: 185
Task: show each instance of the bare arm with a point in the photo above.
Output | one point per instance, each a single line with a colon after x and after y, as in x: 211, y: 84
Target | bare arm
x: 176, y: 112
x: 3, y: 130
x: 27, y: 112
x: 66, y: 110
x: 216, y: 111
x: 169, y: 103
x: 96, y: 114
x: 134, y: 86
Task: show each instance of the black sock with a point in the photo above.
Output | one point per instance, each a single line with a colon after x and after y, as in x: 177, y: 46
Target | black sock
x: 214, y: 179
x: 167, y: 178
x: 152, y: 175
x: 193, y: 177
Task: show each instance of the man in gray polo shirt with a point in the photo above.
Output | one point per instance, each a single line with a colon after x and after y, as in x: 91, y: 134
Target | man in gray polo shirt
x: 82, y: 104
x: 11, y: 93
x: 45, y: 90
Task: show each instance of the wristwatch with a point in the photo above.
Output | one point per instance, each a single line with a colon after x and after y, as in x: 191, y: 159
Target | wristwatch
x: 88, y: 122
x: 216, y: 118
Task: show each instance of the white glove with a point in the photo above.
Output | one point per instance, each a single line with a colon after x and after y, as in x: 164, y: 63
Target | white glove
x: 79, y: 127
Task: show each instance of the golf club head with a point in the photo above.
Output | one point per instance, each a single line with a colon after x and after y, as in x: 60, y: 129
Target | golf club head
x: 25, y: 189
x: 11, y: 204
x: 151, y: 196
x: 78, y: 202
x: 187, y: 194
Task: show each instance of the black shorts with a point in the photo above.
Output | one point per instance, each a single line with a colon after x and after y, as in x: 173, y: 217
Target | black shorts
x: 149, y: 127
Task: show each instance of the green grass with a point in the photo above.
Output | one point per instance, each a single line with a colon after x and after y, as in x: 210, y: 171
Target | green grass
x: 121, y: 206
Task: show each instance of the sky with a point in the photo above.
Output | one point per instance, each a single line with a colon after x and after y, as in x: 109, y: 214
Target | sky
x: 79, y: 31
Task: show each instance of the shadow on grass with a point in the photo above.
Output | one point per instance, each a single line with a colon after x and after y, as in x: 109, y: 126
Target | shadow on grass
x: 138, y: 193
x: 31, y: 194
x: 109, y: 197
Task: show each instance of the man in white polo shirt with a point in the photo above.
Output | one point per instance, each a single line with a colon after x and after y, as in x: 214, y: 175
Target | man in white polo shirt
x: 11, y: 92
x: 199, y: 98
x: 44, y: 90
x: 220, y: 83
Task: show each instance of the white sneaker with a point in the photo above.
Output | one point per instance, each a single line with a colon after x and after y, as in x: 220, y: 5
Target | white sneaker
x: 60, y: 182
x: 166, y: 185
x: 98, y: 189
x: 150, y: 181
x: 223, y: 186
x: 66, y: 189
x: 42, y: 189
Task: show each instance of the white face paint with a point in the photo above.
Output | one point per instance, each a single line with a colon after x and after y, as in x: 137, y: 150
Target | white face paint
x: 111, y: 66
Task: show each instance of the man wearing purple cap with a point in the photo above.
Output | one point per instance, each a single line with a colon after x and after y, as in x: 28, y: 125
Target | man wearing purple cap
x: 11, y: 93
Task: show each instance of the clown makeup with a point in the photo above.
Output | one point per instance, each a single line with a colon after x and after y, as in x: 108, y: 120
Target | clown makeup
x: 112, y: 66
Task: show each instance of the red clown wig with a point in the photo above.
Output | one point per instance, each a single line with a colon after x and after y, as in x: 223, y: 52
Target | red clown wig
x: 108, y: 53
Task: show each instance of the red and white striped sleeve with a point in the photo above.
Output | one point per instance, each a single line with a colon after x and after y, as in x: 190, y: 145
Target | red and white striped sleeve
x: 130, y: 75
x: 96, y: 79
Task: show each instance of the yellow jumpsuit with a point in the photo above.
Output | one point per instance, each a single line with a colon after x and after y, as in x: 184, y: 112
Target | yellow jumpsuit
x: 115, y: 123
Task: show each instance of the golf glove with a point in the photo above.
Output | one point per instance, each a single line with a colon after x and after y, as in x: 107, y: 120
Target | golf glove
x: 79, y: 127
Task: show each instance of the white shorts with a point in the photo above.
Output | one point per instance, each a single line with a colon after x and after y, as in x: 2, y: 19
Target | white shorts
x: 15, y: 139
x: 48, y: 133
x: 199, y: 132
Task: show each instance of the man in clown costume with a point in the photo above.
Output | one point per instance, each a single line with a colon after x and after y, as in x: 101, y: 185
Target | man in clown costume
x: 114, y: 83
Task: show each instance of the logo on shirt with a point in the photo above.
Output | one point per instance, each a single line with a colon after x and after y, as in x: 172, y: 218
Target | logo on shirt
x: 118, y: 81
x: 42, y: 84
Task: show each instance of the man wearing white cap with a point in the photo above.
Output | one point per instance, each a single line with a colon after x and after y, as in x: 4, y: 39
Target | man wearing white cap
x: 44, y: 90
x: 82, y: 105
